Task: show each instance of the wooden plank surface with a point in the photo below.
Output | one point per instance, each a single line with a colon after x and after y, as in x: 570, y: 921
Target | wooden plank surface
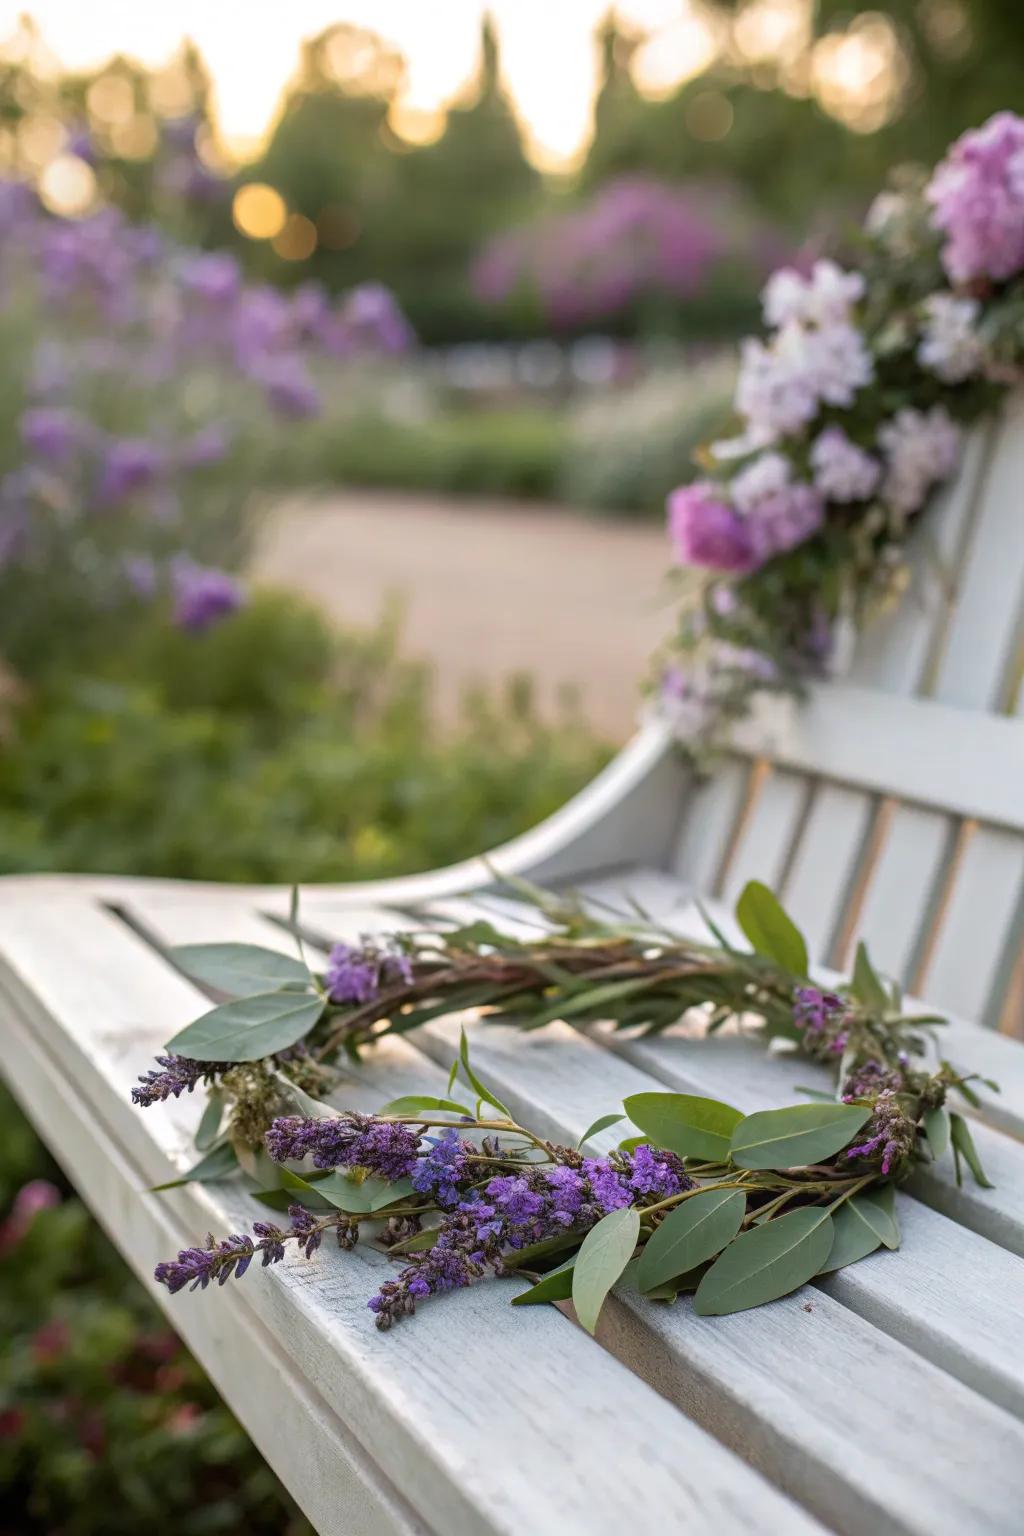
x: 430, y: 1401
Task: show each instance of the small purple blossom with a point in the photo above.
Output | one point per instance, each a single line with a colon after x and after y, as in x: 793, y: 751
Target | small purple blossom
x: 203, y: 596
x: 356, y: 974
x: 706, y: 531
x: 289, y: 388
x: 891, y: 1134
x: 842, y: 471
x: 53, y: 433
x: 443, y: 1169
x: 129, y: 465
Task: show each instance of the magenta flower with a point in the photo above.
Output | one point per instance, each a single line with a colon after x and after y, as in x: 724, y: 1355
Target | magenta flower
x: 706, y: 531
x: 977, y: 194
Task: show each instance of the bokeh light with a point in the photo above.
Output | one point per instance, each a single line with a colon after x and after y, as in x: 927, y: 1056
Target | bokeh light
x: 67, y: 186
x: 259, y: 211
x: 297, y: 239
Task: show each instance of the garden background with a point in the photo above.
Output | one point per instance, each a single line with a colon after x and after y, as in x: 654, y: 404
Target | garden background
x: 514, y: 342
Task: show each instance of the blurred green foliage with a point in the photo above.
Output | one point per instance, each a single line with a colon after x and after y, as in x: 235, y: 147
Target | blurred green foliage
x: 271, y: 749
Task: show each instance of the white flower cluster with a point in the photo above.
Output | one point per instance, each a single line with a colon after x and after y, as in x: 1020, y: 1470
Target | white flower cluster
x: 842, y: 471
x: 950, y: 346
x: 921, y: 448
x: 816, y: 356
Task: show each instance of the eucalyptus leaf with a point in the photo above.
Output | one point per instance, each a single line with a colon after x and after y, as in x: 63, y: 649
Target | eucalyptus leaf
x: 249, y: 1028
x: 604, y: 1254
x: 854, y: 1239
x: 689, y: 1235
x: 876, y: 1208
x: 362, y: 1197
x: 602, y: 1123
x: 685, y: 1123
x: 217, y: 1164
x: 963, y: 1146
x: 556, y: 1285
x: 937, y: 1129
x: 209, y: 1125
x: 767, y: 1262
x: 313, y: 1109
x: 770, y: 929
x: 240, y: 970
x: 867, y: 986
x: 796, y: 1137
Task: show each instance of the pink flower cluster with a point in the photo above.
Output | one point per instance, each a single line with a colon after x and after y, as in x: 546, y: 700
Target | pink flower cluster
x: 977, y: 198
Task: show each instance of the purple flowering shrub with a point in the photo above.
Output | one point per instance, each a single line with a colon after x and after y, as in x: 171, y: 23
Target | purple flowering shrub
x: 637, y: 241
x: 850, y: 413
x: 455, y: 1193
x: 149, y: 390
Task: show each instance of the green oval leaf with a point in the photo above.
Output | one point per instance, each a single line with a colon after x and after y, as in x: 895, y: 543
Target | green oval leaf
x: 685, y: 1123
x: 770, y: 930
x: 876, y: 1208
x: 606, y: 1250
x: 602, y: 1123
x: 554, y: 1286
x: 693, y: 1232
x: 208, y: 1128
x: 217, y: 1164
x: 867, y: 985
x: 249, y: 1027
x: 854, y: 1239
x: 240, y: 970
x: 767, y: 1262
x: 937, y: 1128
x: 963, y: 1147
x: 797, y: 1136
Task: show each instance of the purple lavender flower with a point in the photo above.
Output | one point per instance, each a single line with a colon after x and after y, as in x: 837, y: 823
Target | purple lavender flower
x: 53, y: 433
x: 203, y: 596
x: 130, y: 464
x: 706, y: 531
x: 231, y: 1256
x: 441, y: 1172
x: 178, y: 1075
x: 213, y: 277
x: 370, y: 319
x: 891, y: 1134
x: 289, y: 388
x: 869, y: 1079
x: 352, y: 975
x: 388, y: 1149
x: 356, y: 974
x: 206, y: 447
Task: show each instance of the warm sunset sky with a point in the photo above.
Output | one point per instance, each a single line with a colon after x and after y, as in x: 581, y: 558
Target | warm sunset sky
x: 251, y: 46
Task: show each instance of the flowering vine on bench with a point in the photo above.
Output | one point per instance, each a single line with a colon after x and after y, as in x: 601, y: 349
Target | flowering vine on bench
x: 850, y: 414
x: 697, y: 1197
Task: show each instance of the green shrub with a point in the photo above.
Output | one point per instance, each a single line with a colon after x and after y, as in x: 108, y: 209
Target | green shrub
x: 271, y: 749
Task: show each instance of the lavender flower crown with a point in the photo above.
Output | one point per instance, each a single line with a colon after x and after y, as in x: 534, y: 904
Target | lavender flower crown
x: 851, y: 414
x: 697, y: 1197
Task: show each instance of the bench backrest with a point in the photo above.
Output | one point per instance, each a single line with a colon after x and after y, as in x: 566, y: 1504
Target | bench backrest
x: 892, y: 805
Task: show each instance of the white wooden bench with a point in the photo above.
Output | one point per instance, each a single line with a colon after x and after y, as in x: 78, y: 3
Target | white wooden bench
x: 890, y: 1397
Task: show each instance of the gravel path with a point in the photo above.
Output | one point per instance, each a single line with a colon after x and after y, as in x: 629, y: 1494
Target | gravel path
x: 489, y: 589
